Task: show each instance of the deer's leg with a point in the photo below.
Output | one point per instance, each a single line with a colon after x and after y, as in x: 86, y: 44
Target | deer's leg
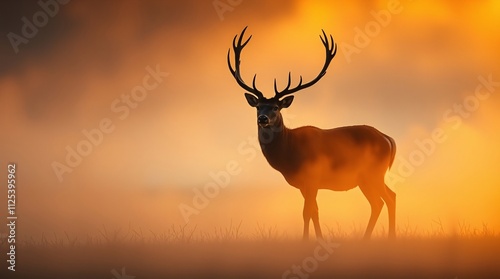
x: 306, y: 215
x: 389, y: 198
x: 311, y: 212
x: 376, y: 204
x: 315, y: 219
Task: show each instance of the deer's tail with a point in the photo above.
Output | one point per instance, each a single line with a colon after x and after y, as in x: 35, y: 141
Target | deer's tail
x: 392, y: 148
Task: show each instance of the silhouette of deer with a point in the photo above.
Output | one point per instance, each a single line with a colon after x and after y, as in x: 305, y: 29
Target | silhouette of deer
x: 310, y: 158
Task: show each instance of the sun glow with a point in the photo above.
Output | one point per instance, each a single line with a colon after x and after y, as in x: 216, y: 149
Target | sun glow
x: 403, y: 81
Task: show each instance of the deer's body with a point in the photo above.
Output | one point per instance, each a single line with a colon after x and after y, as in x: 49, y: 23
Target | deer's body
x: 336, y: 159
x: 311, y: 158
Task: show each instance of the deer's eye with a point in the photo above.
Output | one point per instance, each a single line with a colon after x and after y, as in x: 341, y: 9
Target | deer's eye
x: 275, y: 108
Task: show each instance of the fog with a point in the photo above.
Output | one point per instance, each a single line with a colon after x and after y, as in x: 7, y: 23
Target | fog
x: 407, y: 68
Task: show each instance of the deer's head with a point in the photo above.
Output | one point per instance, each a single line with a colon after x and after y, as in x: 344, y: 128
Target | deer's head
x: 268, y: 109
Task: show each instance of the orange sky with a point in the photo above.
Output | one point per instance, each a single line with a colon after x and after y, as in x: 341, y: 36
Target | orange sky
x: 407, y: 78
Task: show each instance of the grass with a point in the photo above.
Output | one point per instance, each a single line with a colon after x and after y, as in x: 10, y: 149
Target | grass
x: 185, y: 252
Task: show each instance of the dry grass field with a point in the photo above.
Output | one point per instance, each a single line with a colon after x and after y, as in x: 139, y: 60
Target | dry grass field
x: 226, y: 253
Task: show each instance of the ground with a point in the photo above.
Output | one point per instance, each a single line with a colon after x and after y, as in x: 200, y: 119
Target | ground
x: 229, y: 256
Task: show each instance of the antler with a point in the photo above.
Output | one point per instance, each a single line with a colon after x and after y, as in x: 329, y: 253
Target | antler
x: 331, y: 50
x: 237, y: 47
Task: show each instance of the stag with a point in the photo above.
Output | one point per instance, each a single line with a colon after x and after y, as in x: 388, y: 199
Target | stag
x: 311, y: 158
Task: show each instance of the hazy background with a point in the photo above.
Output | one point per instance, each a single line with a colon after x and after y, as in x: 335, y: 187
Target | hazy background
x: 404, y: 81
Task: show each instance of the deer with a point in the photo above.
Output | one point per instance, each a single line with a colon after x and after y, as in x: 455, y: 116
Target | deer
x: 310, y: 158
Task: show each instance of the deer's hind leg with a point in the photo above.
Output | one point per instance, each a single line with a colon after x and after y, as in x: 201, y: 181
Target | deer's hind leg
x: 372, y: 193
x: 389, y: 198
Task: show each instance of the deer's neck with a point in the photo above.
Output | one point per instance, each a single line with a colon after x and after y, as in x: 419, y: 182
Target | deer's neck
x: 274, y: 142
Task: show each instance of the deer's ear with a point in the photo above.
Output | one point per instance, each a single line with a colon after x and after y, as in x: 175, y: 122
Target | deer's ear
x: 286, y: 102
x: 252, y: 100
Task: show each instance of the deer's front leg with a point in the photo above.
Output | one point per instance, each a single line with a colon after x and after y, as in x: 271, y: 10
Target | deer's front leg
x: 306, y: 216
x: 310, y: 212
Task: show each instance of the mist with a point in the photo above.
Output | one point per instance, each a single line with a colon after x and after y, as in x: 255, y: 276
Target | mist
x: 407, y: 68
